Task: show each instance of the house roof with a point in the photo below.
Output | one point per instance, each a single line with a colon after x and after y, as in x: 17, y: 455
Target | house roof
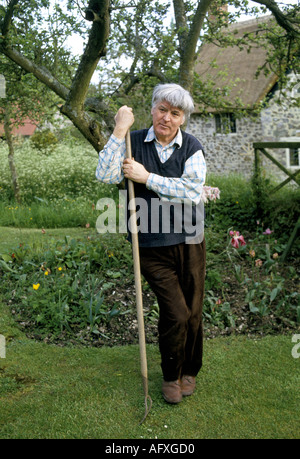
x: 27, y: 128
x: 240, y: 66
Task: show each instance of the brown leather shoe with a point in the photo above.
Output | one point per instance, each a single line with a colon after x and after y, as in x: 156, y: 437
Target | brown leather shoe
x: 171, y: 391
x: 188, y: 384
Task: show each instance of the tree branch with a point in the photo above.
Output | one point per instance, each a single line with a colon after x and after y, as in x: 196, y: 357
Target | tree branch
x: 181, y: 23
x: 8, y: 17
x: 41, y: 73
x: 75, y: 102
x: 94, y: 50
x: 188, y: 39
x: 197, y: 25
x: 281, y: 18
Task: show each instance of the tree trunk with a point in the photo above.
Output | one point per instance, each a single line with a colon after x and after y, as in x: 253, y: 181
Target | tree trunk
x: 188, y: 39
x: 11, y: 154
x: 98, y: 12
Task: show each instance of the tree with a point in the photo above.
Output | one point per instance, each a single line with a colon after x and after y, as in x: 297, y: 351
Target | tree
x: 25, y: 96
x: 150, y: 49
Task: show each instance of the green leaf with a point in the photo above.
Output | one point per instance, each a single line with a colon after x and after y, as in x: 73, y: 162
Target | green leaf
x: 253, y: 308
x: 5, y: 266
x: 95, y: 331
x: 107, y: 285
x: 113, y: 275
x: 6, y: 257
x: 273, y: 294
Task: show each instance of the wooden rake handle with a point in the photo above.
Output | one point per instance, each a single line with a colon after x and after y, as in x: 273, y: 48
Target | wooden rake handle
x: 138, y: 284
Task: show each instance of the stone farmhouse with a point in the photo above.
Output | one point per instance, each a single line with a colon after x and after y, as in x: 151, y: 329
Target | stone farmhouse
x: 227, y: 139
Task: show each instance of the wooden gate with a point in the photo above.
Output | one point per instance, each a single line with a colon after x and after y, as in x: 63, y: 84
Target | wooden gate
x: 260, y: 148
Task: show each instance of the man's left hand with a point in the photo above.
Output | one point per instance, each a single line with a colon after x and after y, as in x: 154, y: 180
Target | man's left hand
x: 135, y: 171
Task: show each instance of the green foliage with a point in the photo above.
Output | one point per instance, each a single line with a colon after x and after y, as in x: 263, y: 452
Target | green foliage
x: 60, y: 190
x: 44, y: 141
x: 62, y: 288
x: 265, y: 282
x: 67, y: 174
x: 237, y: 206
x: 217, y: 312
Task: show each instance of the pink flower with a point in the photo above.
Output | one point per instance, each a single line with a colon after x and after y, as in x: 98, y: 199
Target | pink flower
x: 210, y: 194
x: 258, y: 262
x: 237, y: 239
x: 268, y: 231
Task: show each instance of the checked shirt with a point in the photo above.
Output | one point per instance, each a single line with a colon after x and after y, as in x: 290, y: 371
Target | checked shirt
x: 187, y: 188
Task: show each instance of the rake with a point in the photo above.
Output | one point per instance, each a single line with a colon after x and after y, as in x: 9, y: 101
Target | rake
x: 138, y: 286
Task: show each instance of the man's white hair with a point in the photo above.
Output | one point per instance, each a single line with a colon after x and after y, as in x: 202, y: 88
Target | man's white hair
x: 176, y: 96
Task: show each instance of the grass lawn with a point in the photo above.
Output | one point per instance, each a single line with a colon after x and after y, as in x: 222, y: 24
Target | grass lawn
x: 248, y: 388
x: 12, y: 237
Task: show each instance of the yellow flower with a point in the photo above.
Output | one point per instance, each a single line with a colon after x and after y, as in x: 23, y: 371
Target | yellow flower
x: 110, y: 254
x: 252, y: 253
x: 46, y: 273
x: 60, y: 268
x: 35, y: 286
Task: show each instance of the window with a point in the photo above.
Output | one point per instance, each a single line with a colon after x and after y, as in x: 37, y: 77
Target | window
x: 225, y: 123
x: 293, y: 158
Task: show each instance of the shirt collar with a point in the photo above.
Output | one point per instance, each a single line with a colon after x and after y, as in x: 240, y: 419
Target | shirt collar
x: 176, y: 141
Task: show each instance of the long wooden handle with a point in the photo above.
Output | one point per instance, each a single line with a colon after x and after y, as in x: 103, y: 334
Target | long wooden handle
x: 138, y: 283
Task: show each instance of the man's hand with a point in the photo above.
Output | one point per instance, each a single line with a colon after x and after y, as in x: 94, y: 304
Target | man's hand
x: 124, y: 119
x: 135, y: 171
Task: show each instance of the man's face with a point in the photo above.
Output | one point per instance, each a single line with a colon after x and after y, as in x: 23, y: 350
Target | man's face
x: 166, y: 121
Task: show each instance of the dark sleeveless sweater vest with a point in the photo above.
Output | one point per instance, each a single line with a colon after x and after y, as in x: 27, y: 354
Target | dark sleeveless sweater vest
x: 161, y: 223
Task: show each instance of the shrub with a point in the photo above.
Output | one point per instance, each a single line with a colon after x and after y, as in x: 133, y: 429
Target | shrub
x: 237, y: 206
x: 44, y: 141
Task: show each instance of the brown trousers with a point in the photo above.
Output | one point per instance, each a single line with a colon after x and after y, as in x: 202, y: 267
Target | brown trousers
x: 176, y: 275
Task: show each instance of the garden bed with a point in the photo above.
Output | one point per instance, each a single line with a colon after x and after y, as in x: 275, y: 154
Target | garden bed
x: 80, y: 289
x: 245, y: 297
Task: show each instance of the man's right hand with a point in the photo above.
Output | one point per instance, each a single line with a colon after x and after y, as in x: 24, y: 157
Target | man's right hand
x: 124, y: 119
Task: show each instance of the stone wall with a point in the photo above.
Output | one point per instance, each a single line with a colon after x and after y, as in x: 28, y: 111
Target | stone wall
x: 226, y: 153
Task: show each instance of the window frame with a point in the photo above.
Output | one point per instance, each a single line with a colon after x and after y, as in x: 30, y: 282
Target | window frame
x: 223, y: 121
x: 288, y: 158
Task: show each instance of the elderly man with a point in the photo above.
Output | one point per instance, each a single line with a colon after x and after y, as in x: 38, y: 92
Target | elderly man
x: 168, y: 169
